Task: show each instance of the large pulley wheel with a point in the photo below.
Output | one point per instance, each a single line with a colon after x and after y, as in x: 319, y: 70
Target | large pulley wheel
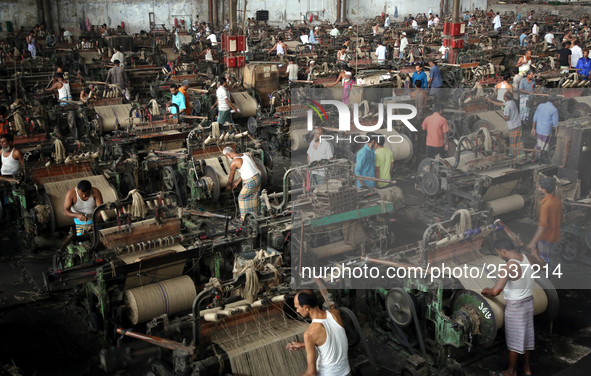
x: 268, y: 160
x: 263, y: 171
x: 250, y: 225
x: 179, y: 187
x: 52, y: 222
x: 196, y: 107
x: 430, y: 183
x: 168, y: 178
x: 215, y: 190
x: 351, y: 326
x: 400, y: 307
x: 424, y: 166
x: 481, y: 124
x: 252, y: 125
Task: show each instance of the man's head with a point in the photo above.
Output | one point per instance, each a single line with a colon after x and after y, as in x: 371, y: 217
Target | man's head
x: 185, y: 84
x: 438, y: 107
x: 515, y: 71
x: 530, y: 75
x: 372, y: 139
x: 59, y: 76
x: 547, y: 185
x: 508, y: 96
x: 566, y: 44
x: 381, y: 140
x: 116, y: 62
x: 506, y: 76
x: 586, y: 53
x: 84, y: 189
x: 6, y: 141
x: 304, y: 302
x: 86, y: 90
x: 319, y: 131
x: 577, y: 42
x: 505, y: 248
x: 498, y: 13
x: 552, y: 98
x: 312, y: 63
x: 418, y: 84
x: 174, y: 89
x: 223, y: 81
x: 32, y: 32
x: 229, y: 153
x: 432, y: 63
x: 343, y: 48
x: 419, y: 68
x: 528, y: 53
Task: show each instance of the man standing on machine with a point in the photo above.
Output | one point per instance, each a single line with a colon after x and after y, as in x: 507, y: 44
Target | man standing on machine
x: 12, y: 159
x: 248, y: 199
x: 80, y: 203
x: 516, y: 282
x: 325, y: 340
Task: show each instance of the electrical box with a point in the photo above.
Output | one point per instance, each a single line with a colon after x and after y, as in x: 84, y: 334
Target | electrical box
x: 454, y: 28
x: 233, y: 43
x: 230, y: 61
x: 458, y: 43
x: 240, y: 61
x: 262, y: 15
x: 446, y: 42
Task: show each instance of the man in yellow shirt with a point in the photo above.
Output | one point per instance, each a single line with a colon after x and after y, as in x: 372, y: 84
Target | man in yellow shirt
x: 384, y: 161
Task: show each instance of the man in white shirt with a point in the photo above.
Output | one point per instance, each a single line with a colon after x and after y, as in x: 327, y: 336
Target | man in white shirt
x: 387, y: 22
x: 381, y: 53
x: 118, y: 55
x: 213, y: 39
x: 577, y: 53
x: 436, y: 20
x: 335, y: 32
x: 497, y: 22
x: 549, y: 38
x: 223, y: 103
x: 430, y: 23
x: 534, y: 29
x: 403, y: 44
x: 415, y: 24
x: 318, y: 150
x: 292, y: 70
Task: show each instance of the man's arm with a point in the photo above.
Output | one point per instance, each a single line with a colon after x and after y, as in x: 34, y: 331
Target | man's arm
x: 230, y: 104
x: 98, y: 196
x: 18, y: 155
x: 358, y: 164
x: 55, y: 86
x: 511, y: 268
x: 537, y: 235
x: 109, y: 77
x: 377, y: 173
x: 310, y: 355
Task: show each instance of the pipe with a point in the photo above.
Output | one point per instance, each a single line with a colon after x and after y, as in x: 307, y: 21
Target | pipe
x: 196, y: 316
x: 47, y: 16
x: 210, y: 8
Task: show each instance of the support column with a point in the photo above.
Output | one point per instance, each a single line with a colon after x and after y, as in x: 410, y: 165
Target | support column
x: 338, y: 11
x: 233, y: 13
x: 47, y: 15
x: 215, y: 13
x: 456, y: 11
x: 210, y: 11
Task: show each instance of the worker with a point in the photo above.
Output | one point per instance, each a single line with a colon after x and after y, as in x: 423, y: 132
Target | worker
x: 517, y: 77
x: 67, y: 35
x: 50, y: 39
x: 376, y: 29
x: 12, y: 159
x: 534, y: 29
x: 503, y: 87
x: 380, y: 53
x: 420, y: 76
x: 549, y: 39
x: 310, y: 70
x: 384, y: 162
x: 32, y: 43
x: 63, y: 89
x: 530, y: 18
x: 325, y: 340
x: 497, y: 22
x: 280, y: 47
x: 431, y: 22
x: 437, y: 128
x: 513, y: 119
x: 80, y: 203
x: 117, y: 76
x: 104, y: 30
x: 319, y: 150
x: 403, y: 44
x: 292, y: 70
x: 414, y: 24
x: 177, y: 98
x: 522, y: 38
x: 564, y: 57
x: 208, y: 53
x: 347, y: 87
x: 545, y: 120
x: 248, y: 199
x: 85, y: 94
x: 224, y: 103
x: 436, y: 20
x: 516, y: 280
x: 568, y: 37
x: 387, y: 21
x: 577, y: 53
x: 466, y: 15
x: 548, y: 232
x: 435, y: 80
x: 341, y: 77
x: 184, y: 89
x: 118, y: 55
x: 526, y: 89
x: 212, y: 39
x: 335, y: 31
x: 584, y: 65
x: 342, y: 55
x: 524, y: 62
x: 365, y: 160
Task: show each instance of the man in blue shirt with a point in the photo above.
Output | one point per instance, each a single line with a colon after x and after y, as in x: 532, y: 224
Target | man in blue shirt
x: 419, y: 75
x: 435, y: 80
x: 522, y: 41
x: 312, y: 36
x: 527, y: 87
x: 177, y: 98
x: 545, y: 119
x: 584, y: 65
x: 365, y: 164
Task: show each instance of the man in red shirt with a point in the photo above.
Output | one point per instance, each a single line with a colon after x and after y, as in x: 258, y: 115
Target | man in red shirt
x: 548, y: 231
x: 437, y: 128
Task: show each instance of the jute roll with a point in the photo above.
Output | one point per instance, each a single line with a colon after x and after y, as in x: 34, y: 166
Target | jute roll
x: 298, y: 139
x: 212, y: 317
x: 505, y: 204
x: 222, y: 172
x: 170, y: 296
x: 113, y: 114
x: 57, y: 193
x: 246, y: 104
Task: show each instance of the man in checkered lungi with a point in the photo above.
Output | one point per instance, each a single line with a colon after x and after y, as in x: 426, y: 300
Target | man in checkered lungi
x: 516, y: 282
x: 545, y: 120
x: 513, y: 119
x: 248, y: 200
x: 526, y: 89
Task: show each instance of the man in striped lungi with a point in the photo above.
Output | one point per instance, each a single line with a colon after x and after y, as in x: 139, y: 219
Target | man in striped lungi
x: 248, y: 200
x: 516, y: 282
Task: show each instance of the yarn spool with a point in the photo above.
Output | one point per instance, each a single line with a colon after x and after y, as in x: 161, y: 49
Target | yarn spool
x: 223, y: 173
x: 245, y: 103
x: 212, y: 317
x: 113, y: 114
x: 506, y: 204
x: 57, y: 192
x: 298, y: 139
x: 170, y: 297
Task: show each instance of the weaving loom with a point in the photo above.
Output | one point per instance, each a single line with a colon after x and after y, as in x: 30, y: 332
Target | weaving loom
x: 113, y: 115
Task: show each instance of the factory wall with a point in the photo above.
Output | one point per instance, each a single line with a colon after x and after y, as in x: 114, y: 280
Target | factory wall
x: 19, y: 12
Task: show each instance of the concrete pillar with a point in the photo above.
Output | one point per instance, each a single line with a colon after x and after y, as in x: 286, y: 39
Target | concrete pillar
x: 456, y: 11
x: 233, y: 16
